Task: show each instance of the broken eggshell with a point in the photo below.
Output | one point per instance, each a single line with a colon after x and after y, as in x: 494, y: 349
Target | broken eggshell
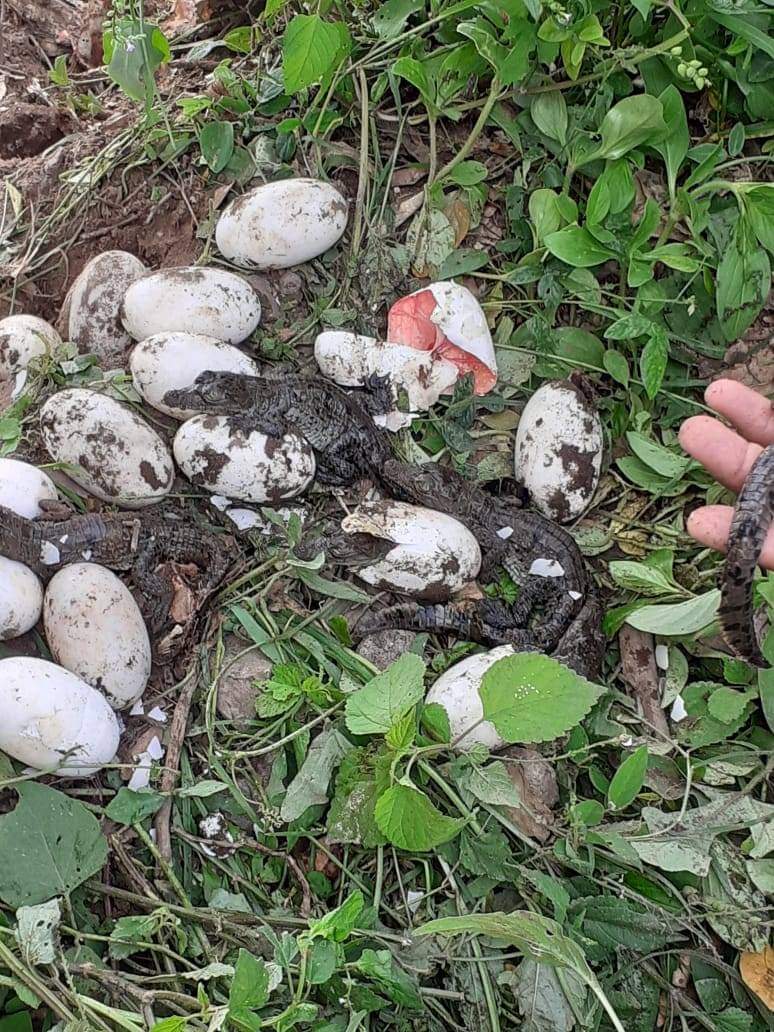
x: 191, y: 299
x: 90, y: 315
x: 558, y: 451
x: 172, y: 361
x: 94, y: 628
x: 23, y: 487
x: 281, y: 224
x: 22, y: 339
x: 434, y: 554
x: 350, y: 359
x: 446, y: 319
x: 51, y: 718
x: 249, y: 467
x: 457, y: 690
x: 21, y: 599
x: 117, y: 456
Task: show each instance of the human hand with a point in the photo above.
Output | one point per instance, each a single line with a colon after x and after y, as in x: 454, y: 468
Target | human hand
x: 728, y: 455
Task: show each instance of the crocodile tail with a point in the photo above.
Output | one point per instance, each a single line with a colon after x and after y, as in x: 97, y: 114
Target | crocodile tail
x: 408, y: 616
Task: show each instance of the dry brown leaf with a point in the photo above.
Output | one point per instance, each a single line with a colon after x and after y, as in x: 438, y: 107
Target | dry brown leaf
x: 757, y: 971
x: 458, y: 214
x: 534, y: 779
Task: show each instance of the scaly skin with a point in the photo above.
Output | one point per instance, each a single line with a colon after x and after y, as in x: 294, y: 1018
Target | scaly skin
x: 337, y: 425
x: 753, y: 516
x: 120, y: 541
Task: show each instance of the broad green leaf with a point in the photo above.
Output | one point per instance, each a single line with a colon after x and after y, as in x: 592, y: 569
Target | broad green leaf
x: 511, y: 63
x: 390, y: 17
x: 338, y: 924
x: 664, y: 461
x: 576, y: 246
x: 202, y: 789
x: 549, y: 113
x: 628, y: 124
x: 759, y: 204
x: 249, y: 988
x: 617, y: 366
x: 578, y: 345
x: 322, y: 961
x: 614, y: 923
x: 129, y: 807
x: 627, y: 780
x: 410, y: 821
x: 640, y: 577
x: 598, y: 203
x: 310, y: 786
x: 678, y: 618
x: 530, y: 697
x: 544, y: 212
x: 132, y: 52
x: 384, y: 700
x: 727, y: 705
x: 435, y: 722
x: 216, y: 140
x: 491, y: 784
x: 468, y: 173
x: 743, y: 282
x: 413, y: 71
x: 653, y: 363
x: 743, y: 26
x: 461, y: 263
x: 703, y: 728
x: 311, y: 49
x: 49, y: 844
x: 380, y: 966
x: 673, y: 148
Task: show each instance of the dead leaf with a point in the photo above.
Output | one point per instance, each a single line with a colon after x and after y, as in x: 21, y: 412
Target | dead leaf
x: 187, y: 14
x: 640, y: 674
x: 757, y: 971
x: 534, y: 779
x: 458, y: 214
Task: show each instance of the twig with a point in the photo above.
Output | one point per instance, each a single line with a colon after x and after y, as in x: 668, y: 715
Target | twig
x: 169, y: 776
x: 641, y: 675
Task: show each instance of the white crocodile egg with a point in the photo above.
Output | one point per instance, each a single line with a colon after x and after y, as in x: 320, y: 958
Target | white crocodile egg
x: 21, y: 599
x: 23, y: 487
x: 22, y: 338
x: 457, y: 690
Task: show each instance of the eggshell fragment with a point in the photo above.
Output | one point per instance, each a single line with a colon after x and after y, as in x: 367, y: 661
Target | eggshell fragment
x: 172, y: 361
x: 90, y: 315
x: 457, y: 690
x: 94, y: 628
x: 558, y: 451
x: 21, y: 599
x: 118, y: 456
x: 23, y: 338
x: 210, y: 301
x: 51, y: 718
x: 280, y: 224
x: 434, y: 554
x: 249, y: 467
x: 446, y: 318
x: 23, y: 487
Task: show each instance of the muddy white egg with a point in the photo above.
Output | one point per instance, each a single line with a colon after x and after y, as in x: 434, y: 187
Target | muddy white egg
x: 113, y: 453
x: 23, y: 487
x: 249, y: 467
x: 281, y: 224
x: 209, y: 301
x: 21, y: 599
x: 53, y: 719
x: 94, y: 628
x: 23, y: 338
x: 447, y: 319
x: 171, y: 361
x: 90, y: 314
x: 434, y: 554
x: 558, y: 454
x: 457, y: 690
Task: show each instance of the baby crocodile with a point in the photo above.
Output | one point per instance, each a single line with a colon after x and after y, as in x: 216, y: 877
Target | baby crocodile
x: 338, y: 425
x: 753, y: 515
x: 120, y: 541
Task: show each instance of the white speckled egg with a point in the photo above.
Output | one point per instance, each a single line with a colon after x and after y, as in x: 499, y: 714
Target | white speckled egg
x: 51, y: 718
x: 558, y: 455
x: 22, y: 338
x: 118, y: 456
x: 21, y: 599
x: 210, y: 301
x: 94, y: 628
x: 23, y: 487
x: 171, y: 361
x: 457, y: 691
x: 434, y: 554
x: 90, y: 313
x: 281, y: 224
x: 249, y: 467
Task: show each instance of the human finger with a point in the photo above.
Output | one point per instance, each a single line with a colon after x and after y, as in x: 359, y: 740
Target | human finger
x: 711, y: 524
x: 721, y: 450
x: 749, y: 411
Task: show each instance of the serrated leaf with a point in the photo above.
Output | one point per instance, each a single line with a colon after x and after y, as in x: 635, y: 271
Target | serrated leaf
x: 678, y: 618
x: 379, y: 966
x: 702, y: 728
x: 727, y: 705
x: 410, y: 821
x: 628, y: 779
x: 250, y: 986
x: 374, y: 708
x: 311, y: 48
x: 530, y: 697
x: 49, y: 844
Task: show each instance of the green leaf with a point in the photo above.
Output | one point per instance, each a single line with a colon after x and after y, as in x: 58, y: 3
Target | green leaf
x: 664, y: 461
x: 374, y: 708
x: 49, y: 844
x: 461, y: 263
x: 679, y: 618
x: 743, y: 26
x: 413, y: 71
x: 759, y: 204
x: 628, y: 124
x: 627, y: 780
x: 615, y: 923
x: 311, y: 49
x: 468, y: 173
x: 629, y: 327
x: 338, y: 924
x: 673, y: 148
x: 598, y: 203
x: 728, y: 705
x: 653, y: 363
x: 249, y: 988
x: 310, y: 786
x: 544, y: 212
x: 435, y: 722
x: 390, y: 17
x: 616, y: 366
x: 130, y: 807
x: 530, y: 697
x: 129, y: 932
x: 511, y: 63
x: 333, y: 589
x: 743, y: 282
x: 133, y: 52
x: 379, y: 966
x: 202, y: 789
x: 640, y: 577
x: 491, y: 784
x: 410, y: 821
x: 549, y: 113
x: 216, y: 140
x: 322, y: 961
x: 576, y: 246
x: 702, y: 728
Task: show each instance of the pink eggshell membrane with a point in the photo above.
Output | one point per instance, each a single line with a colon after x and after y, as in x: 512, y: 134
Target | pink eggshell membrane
x: 410, y: 321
